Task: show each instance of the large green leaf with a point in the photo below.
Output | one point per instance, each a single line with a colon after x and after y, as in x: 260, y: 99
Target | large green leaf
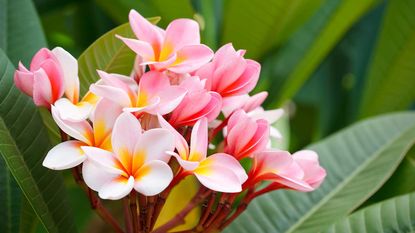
x: 358, y: 160
x: 394, y: 215
x: 9, y: 201
x: 109, y: 54
x: 300, y: 57
x: 391, y: 81
x: 24, y: 143
x: 21, y: 34
x: 261, y: 25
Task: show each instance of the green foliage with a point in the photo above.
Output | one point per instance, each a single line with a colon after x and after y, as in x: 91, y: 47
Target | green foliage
x: 390, y: 82
x: 394, y: 215
x: 24, y: 143
x: 358, y: 160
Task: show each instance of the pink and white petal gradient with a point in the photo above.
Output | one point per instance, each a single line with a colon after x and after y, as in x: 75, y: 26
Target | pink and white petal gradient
x: 177, y: 49
x: 65, y: 155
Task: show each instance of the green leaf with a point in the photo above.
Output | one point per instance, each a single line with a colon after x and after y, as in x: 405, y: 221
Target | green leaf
x: 28, y: 219
x: 109, y: 54
x: 260, y: 26
x: 21, y: 34
x: 309, y: 46
x: 358, y: 161
x: 390, y: 82
x: 394, y: 215
x: 24, y: 143
x: 9, y: 201
x: 167, y: 9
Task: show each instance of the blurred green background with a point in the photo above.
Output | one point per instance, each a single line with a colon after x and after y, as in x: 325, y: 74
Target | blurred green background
x: 329, y: 63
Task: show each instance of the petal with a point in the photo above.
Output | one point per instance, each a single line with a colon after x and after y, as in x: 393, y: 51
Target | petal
x: 180, y: 33
x: 69, y: 67
x: 144, y: 30
x: 125, y: 135
x: 42, y: 55
x: 24, y: 79
x: 185, y: 164
x: 255, y: 101
x: 314, y: 174
x: 71, y: 112
x: 247, y: 80
x: 103, y: 159
x: 65, y: 155
x: 153, y: 178
x: 154, y: 143
x: 111, y: 93
x: 117, y: 188
x: 81, y: 130
x: 55, y: 75
x: 42, y: 89
x: 170, y: 98
x: 272, y: 161
x: 191, y: 58
x: 94, y: 176
x: 271, y: 116
x: 230, y: 163
x: 180, y: 142
x: 232, y: 103
x: 142, y: 48
x: 103, y: 122
x: 218, y: 177
x: 199, y: 141
x: 152, y: 83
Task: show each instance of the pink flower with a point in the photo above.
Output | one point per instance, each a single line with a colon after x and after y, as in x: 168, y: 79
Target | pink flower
x: 314, y: 174
x: 138, y: 161
x: 44, y: 81
x: 220, y: 172
x: 245, y: 135
x: 197, y: 103
x: 69, y: 154
x: 177, y: 49
x: 280, y: 168
x: 153, y: 95
x: 229, y: 74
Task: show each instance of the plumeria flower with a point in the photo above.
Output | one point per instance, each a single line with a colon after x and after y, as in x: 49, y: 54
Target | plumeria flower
x: 153, y: 95
x: 280, y: 168
x: 229, y: 73
x: 69, y: 154
x: 314, y: 174
x: 252, y: 106
x: 138, y: 161
x: 45, y: 80
x: 245, y: 136
x: 176, y: 49
x: 220, y: 172
x: 197, y: 103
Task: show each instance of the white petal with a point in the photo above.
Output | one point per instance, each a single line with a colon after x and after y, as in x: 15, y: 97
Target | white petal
x: 155, y: 143
x: 69, y: 67
x: 116, y: 189
x: 94, y: 176
x: 104, y: 159
x: 125, y: 134
x: 155, y: 177
x: 65, y: 155
x: 71, y: 112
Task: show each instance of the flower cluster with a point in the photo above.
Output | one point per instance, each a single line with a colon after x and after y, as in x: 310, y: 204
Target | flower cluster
x: 184, y: 110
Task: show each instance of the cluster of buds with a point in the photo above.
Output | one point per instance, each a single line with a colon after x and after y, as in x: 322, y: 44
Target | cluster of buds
x: 183, y: 111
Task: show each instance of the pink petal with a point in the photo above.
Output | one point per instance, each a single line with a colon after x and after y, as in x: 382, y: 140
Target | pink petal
x: 199, y: 141
x: 140, y: 47
x: 232, y: 103
x: 152, y: 83
x: 55, y: 75
x: 314, y: 174
x: 69, y: 67
x: 247, y: 81
x: 24, y: 79
x: 81, y: 130
x: 65, y: 155
x: 146, y: 31
x: 42, y: 89
x: 122, y: 82
x: 42, y: 55
x: 117, y: 188
x: 191, y: 58
x: 153, y: 178
x: 185, y: 164
x: 180, y: 142
x: 230, y: 163
x: 170, y: 98
x: 111, y: 93
x: 154, y: 143
x: 255, y: 101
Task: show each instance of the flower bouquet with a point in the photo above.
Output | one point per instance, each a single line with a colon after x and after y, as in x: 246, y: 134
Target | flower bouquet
x: 185, y: 111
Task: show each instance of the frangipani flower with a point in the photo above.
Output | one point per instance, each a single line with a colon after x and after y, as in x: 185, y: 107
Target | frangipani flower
x: 69, y: 154
x: 138, y: 161
x: 177, y: 49
x: 245, y: 136
x: 220, y: 172
x: 252, y: 106
x: 153, y: 95
x: 45, y: 80
x: 314, y: 174
x: 197, y: 103
x: 229, y: 74
x: 280, y: 168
